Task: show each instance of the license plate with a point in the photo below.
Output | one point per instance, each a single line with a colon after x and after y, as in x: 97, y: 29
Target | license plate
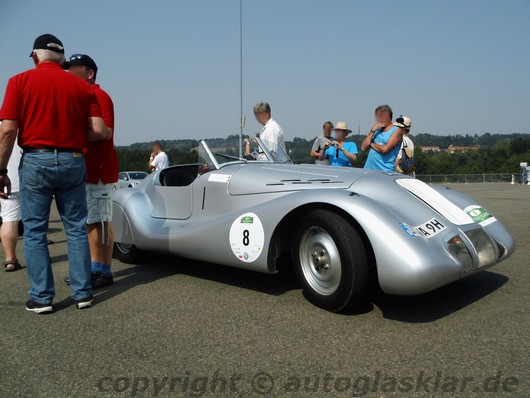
x: 430, y: 228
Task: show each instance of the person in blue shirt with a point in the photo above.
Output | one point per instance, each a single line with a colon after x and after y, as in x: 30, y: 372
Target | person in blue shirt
x: 383, y: 141
x: 340, y: 152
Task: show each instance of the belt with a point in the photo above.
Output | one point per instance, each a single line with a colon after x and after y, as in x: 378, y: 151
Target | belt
x: 51, y: 149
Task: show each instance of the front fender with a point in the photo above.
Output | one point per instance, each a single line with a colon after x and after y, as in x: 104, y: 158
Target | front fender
x: 406, y: 265
x: 493, y: 227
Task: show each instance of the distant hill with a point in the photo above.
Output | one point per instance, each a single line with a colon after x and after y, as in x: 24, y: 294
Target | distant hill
x: 443, y: 142
x: 497, y: 153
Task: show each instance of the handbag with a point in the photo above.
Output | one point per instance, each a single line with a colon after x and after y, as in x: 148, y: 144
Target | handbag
x: 406, y: 163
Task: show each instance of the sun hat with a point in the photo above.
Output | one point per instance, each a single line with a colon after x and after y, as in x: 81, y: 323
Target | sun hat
x: 342, y: 126
x: 404, y: 122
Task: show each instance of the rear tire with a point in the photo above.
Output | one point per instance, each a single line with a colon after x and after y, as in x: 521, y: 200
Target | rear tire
x: 330, y: 261
x: 128, y: 254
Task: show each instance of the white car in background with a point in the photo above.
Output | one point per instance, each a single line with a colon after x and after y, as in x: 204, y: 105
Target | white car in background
x: 130, y: 179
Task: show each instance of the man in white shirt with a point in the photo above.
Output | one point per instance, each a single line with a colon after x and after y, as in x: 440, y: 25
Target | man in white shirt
x: 271, y: 134
x: 11, y: 214
x: 158, y: 159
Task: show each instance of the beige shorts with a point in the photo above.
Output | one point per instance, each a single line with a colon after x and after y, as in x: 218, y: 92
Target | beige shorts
x: 99, y: 202
x: 10, y: 208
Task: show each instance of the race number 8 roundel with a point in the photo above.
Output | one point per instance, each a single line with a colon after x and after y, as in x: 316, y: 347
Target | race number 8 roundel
x: 247, y: 237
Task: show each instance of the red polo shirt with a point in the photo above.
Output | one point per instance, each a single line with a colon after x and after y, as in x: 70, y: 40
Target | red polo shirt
x: 100, y: 156
x: 51, y: 106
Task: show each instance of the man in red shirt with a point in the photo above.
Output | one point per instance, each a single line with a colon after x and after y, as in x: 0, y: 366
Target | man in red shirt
x: 53, y: 113
x: 102, y: 175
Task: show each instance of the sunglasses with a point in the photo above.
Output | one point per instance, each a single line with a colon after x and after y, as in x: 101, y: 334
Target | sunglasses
x: 76, y: 56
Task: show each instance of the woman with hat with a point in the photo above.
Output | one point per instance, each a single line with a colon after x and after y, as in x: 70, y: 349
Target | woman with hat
x: 404, y: 123
x: 340, y: 152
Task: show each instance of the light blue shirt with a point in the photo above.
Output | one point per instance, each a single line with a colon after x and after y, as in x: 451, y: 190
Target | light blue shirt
x: 382, y: 161
x: 337, y: 158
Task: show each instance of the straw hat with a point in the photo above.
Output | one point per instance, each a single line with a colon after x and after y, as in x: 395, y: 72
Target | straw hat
x: 342, y: 126
x: 404, y: 122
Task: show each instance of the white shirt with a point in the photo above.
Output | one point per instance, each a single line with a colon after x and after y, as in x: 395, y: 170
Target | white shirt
x: 12, y: 167
x: 160, y: 161
x: 410, y: 147
x: 409, y: 150
x: 272, y: 136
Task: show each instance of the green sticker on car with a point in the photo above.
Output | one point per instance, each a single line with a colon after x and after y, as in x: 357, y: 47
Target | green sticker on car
x: 480, y: 215
x: 247, y: 220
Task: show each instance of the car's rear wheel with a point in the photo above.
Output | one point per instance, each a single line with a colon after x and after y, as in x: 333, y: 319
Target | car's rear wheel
x: 330, y: 261
x: 126, y: 253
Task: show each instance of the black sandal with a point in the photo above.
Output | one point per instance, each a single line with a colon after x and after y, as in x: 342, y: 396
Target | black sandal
x: 13, y: 265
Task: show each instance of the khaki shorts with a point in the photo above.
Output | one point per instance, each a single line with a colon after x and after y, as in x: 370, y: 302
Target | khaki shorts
x: 99, y: 202
x: 10, y: 211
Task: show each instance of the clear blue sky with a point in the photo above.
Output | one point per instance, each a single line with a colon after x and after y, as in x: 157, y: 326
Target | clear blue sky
x: 172, y: 66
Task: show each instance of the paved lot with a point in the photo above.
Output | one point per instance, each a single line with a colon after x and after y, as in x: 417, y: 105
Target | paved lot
x: 172, y: 327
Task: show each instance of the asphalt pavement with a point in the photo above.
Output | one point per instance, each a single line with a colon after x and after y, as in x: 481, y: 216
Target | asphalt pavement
x: 171, y: 327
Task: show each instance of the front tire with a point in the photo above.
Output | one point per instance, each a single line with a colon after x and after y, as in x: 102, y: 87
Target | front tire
x: 128, y: 254
x: 330, y: 261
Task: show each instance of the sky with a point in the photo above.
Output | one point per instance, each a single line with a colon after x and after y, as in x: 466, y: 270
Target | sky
x: 172, y: 67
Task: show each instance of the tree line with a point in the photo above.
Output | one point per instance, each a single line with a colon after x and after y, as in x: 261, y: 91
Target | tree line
x: 498, y: 153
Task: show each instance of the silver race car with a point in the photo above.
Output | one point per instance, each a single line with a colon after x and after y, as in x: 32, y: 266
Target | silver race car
x: 332, y: 224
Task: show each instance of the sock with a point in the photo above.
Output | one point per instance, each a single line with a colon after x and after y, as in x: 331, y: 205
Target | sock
x: 105, y: 269
x: 96, y: 266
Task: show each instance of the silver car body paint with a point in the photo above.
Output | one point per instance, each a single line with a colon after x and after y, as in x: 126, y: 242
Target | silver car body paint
x: 408, y: 223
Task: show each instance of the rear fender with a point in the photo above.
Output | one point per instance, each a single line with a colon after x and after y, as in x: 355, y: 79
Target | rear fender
x: 121, y: 225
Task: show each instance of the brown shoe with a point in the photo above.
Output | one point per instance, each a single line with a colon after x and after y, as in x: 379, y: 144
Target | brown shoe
x: 13, y: 265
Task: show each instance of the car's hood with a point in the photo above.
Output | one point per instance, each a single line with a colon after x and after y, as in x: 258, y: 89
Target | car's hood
x: 266, y: 178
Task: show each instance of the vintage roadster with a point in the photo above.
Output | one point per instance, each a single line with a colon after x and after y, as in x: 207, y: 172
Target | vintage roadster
x: 331, y: 224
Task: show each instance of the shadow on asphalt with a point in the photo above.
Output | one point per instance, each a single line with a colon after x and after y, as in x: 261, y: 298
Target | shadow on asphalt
x: 424, y: 308
x: 439, y: 303
x: 162, y: 266
x: 59, y: 258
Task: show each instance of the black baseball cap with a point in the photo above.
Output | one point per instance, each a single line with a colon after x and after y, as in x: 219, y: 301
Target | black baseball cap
x: 48, y: 42
x: 81, y: 60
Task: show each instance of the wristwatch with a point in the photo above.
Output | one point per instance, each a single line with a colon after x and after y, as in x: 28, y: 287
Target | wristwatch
x: 3, y: 172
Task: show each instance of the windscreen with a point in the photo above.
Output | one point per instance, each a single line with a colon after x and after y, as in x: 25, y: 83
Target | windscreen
x: 213, y: 154
x: 137, y: 176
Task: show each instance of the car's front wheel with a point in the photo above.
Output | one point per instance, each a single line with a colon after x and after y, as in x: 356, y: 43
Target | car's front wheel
x: 129, y: 254
x: 330, y: 260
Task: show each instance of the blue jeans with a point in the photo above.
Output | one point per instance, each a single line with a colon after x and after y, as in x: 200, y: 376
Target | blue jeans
x: 44, y: 176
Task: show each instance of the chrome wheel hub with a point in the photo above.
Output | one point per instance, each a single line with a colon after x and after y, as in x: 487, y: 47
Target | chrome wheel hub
x: 320, y: 260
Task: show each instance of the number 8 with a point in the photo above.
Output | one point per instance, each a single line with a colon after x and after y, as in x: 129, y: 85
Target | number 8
x: 246, y: 237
